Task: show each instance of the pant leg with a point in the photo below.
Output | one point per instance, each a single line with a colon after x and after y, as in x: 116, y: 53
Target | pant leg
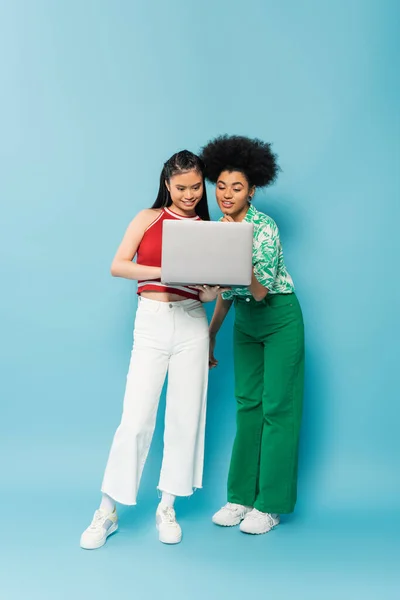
x: 282, y: 406
x: 146, y: 376
x: 185, y: 415
x: 249, y: 384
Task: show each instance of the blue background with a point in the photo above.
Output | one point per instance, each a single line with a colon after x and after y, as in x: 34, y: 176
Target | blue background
x: 95, y: 95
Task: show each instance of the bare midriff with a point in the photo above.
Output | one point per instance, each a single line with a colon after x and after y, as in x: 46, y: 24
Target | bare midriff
x: 162, y: 296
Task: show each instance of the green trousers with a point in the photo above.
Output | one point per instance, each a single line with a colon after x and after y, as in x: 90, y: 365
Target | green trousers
x: 269, y: 378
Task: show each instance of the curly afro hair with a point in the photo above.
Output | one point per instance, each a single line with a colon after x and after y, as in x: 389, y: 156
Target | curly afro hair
x: 252, y: 157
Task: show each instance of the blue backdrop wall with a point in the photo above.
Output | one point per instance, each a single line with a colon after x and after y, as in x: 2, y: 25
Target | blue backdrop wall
x: 95, y: 96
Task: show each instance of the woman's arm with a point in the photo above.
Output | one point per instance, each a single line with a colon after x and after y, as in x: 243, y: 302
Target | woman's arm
x: 221, y: 310
x: 122, y: 265
x: 257, y: 290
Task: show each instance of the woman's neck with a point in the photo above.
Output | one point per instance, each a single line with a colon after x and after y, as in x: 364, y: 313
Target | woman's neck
x: 181, y: 213
x: 242, y: 214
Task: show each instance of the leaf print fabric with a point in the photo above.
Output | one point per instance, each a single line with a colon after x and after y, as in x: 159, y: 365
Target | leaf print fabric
x: 269, y: 267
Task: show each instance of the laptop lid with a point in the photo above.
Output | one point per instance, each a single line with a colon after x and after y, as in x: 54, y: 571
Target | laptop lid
x: 207, y: 252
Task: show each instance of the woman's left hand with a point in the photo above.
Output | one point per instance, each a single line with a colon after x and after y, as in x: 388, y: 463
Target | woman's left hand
x: 209, y: 293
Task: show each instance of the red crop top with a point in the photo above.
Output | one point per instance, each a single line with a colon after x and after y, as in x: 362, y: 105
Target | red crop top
x: 149, y: 254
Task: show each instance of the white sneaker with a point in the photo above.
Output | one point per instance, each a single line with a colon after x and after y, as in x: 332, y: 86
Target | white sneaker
x: 257, y: 522
x: 103, y: 525
x: 169, y: 531
x: 231, y: 514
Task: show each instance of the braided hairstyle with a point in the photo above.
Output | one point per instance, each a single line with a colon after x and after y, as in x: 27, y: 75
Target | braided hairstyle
x: 252, y: 157
x: 181, y: 162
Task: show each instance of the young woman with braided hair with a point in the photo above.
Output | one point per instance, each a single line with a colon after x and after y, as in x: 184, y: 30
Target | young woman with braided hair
x: 170, y: 335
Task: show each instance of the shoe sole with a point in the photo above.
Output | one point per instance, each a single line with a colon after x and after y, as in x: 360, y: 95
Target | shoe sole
x: 237, y: 522
x: 260, y: 532
x: 169, y: 541
x: 234, y: 524
x: 101, y: 543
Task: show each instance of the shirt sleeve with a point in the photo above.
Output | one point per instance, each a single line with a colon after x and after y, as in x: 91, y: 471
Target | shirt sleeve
x: 227, y: 295
x: 266, y: 258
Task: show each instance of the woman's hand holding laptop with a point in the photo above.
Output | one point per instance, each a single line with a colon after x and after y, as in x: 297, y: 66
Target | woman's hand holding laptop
x: 208, y: 293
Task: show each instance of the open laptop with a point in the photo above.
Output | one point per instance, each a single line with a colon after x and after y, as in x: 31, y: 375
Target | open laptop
x: 206, y: 252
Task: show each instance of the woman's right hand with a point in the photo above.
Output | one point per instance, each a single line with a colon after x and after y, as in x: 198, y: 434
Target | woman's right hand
x: 212, y: 361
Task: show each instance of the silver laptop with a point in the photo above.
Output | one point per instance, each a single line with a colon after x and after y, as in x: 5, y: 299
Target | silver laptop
x: 206, y: 252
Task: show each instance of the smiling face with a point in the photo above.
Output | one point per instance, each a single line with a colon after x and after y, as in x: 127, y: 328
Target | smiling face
x: 186, y: 191
x: 233, y: 194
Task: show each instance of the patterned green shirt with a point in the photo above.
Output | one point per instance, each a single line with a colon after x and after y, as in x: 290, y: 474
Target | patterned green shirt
x: 268, y: 263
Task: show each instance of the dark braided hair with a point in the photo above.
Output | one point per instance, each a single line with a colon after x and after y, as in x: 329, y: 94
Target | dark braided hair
x: 252, y: 157
x: 181, y: 162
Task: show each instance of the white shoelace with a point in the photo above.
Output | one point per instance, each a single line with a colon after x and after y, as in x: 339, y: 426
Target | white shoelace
x: 168, y: 515
x: 231, y: 506
x: 258, y: 515
x: 98, y: 520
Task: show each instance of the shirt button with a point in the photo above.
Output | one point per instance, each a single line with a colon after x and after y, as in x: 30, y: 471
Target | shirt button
x: 171, y: 305
x: 247, y: 299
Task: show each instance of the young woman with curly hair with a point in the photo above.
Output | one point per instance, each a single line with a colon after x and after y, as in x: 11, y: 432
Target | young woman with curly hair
x: 268, y: 346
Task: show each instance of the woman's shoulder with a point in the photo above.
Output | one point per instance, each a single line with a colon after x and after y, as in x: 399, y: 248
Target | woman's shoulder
x: 148, y: 215
x: 263, y: 220
x: 143, y: 220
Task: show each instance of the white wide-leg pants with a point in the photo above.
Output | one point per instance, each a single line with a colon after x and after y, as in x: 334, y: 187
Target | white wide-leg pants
x: 168, y: 337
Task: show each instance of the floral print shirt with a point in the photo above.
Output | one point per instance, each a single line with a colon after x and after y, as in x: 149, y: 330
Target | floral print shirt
x: 268, y: 264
